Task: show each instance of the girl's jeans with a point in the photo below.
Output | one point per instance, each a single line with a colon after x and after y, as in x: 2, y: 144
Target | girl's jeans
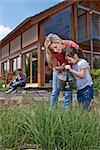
x: 56, y: 92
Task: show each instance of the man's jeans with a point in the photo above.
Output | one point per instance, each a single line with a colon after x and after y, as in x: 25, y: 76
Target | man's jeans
x: 56, y: 92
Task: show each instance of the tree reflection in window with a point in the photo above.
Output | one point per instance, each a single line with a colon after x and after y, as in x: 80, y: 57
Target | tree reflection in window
x: 60, y: 24
x: 96, y: 25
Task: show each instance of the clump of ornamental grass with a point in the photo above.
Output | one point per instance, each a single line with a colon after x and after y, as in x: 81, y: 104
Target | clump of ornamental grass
x: 49, y: 129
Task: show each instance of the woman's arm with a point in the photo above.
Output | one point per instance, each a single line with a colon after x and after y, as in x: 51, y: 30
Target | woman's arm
x: 80, y: 74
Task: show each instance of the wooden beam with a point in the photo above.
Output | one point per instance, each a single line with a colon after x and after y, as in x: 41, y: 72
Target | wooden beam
x: 31, y: 67
x: 91, y: 40
x: 91, y: 44
x: 41, y: 57
x: 74, y: 22
x: 90, y: 4
x: 87, y: 24
x: 23, y: 62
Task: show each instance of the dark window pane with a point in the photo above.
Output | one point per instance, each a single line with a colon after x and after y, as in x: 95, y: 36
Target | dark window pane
x: 60, y: 24
x: 34, y: 66
x: 82, y: 26
x: 96, y: 25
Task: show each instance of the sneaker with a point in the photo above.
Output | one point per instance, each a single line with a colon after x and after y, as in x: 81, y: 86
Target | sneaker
x: 13, y: 91
x: 9, y: 91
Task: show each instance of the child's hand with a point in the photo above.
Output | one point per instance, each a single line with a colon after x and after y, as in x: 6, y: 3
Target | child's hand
x: 68, y: 67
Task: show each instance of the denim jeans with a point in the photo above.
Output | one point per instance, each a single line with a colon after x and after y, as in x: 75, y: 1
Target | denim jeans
x: 56, y: 91
x: 85, y: 96
x: 15, y: 85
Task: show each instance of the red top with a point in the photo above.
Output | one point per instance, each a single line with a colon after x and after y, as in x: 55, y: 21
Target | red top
x: 60, y: 56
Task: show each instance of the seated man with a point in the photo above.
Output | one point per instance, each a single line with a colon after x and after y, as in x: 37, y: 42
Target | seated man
x: 20, y: 81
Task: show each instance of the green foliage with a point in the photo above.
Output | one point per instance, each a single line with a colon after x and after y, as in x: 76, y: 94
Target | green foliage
x: 96, y: 78
x: 1, y: 85
x: 97, y: 63
x: 95, y: 73
x: 47, y: 129
x: 97, y: 86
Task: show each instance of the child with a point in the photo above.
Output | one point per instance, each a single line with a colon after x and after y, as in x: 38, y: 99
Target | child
x: 81, y: 71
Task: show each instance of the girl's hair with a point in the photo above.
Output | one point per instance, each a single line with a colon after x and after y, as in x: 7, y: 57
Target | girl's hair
x: 51, y: 38
x: 71, y: 51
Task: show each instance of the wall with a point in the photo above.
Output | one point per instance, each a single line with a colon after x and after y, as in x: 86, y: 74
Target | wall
x: 15, y: 45
x: 5, y: 50
x: 30, y: 36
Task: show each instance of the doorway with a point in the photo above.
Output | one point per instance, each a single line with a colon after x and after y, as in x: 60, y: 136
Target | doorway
x: 31, y: 67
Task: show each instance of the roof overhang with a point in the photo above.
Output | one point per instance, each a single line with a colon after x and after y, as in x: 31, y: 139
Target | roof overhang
x: 28, y: 22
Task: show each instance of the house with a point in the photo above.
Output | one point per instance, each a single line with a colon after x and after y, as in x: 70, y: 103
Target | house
x: 78, y: 20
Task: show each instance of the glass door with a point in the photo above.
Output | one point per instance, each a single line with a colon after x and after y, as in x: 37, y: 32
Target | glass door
x: 31, y: 66
x: 34, y: 66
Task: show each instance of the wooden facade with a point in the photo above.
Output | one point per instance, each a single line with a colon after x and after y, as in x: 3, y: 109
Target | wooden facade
x: 78, y: 20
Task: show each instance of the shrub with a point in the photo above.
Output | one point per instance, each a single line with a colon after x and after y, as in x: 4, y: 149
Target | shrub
x: 96, y: 78
x: 97, y: 86
x: 95, y: 73
x: 1, y: 85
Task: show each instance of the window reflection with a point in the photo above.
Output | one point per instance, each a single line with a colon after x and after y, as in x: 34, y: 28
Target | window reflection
x: 96, y: 25
x: 61, y: 24
x: 82, y: 24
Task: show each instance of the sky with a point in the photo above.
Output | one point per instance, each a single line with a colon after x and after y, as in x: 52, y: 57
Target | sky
x: 13, y: 12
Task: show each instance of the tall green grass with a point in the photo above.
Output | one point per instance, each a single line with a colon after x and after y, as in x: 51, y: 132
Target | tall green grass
x: 48, y: 129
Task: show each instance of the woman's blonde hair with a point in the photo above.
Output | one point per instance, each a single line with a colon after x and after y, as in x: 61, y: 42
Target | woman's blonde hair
x: 51, y: 38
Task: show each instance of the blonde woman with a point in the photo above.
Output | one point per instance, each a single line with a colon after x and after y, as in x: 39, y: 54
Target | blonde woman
x: 55, y: 47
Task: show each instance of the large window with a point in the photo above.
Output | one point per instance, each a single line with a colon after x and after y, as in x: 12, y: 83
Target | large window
x: 82, y: 24
x: 96, y: 25
x: 16, y: 63
x: 60, y: 24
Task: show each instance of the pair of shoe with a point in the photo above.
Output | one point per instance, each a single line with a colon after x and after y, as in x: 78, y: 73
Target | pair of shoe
x: 10, y: 91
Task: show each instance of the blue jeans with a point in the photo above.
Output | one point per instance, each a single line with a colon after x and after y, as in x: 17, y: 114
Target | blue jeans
x: 85, y: 96
x: 16, y: 85
x: 56, y: 91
